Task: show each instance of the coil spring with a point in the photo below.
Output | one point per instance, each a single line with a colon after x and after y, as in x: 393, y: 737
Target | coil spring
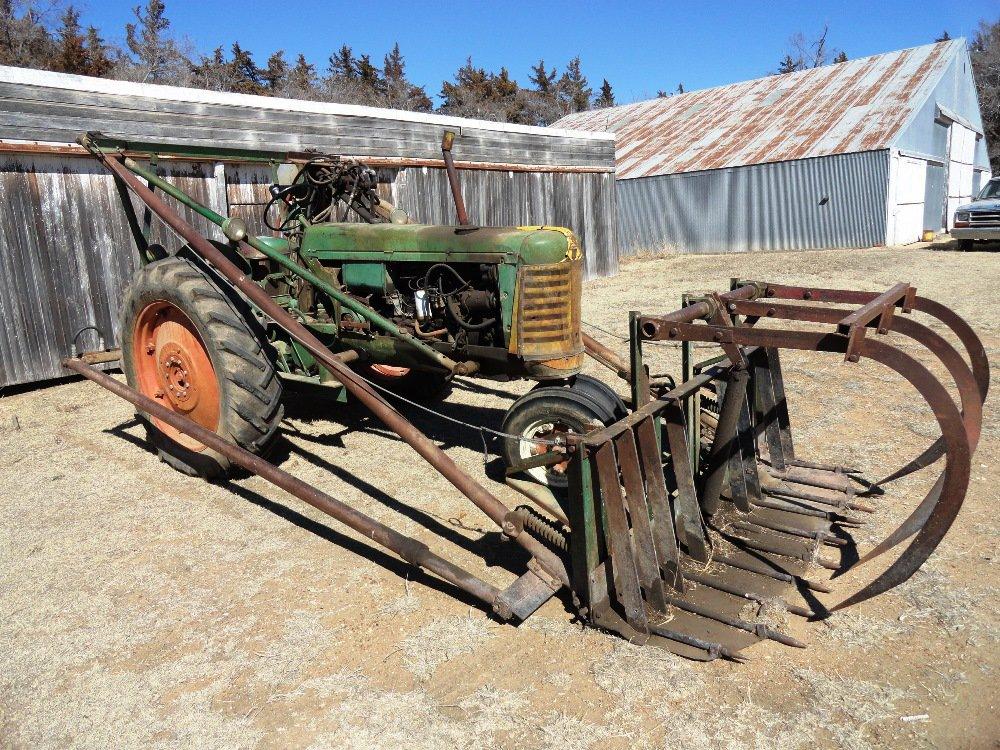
x: 542, y: 527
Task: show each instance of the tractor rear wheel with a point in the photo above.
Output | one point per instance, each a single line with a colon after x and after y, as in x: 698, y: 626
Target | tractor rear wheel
x: 188, y: 345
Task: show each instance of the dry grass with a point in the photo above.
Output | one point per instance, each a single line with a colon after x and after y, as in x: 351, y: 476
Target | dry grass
x: 139, y: 608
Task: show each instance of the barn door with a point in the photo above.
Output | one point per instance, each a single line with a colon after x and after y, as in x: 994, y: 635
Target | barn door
x: 961, y: 151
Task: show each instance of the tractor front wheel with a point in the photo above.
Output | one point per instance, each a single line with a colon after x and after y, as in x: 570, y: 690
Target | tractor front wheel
x: 188, y: 345
x: 547, y: 413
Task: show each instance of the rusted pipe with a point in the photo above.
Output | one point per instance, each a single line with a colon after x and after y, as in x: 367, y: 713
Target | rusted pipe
x: 606, y: 357
x: 456, y: 189
x: 414, y: 552
x: 479, y: 495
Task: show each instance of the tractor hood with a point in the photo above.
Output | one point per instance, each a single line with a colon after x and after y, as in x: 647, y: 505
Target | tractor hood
x: 423, y: 242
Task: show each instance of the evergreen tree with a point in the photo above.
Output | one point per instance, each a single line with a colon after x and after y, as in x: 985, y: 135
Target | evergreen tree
x: 245, y: 77
x: 393, y: 66
x: 99, y: 62
x: 72, y: 54
x: 148, y: 42
x: 574, y: 93
x: 212, y: 72
x: 544, y: 81
x: 606, y: 98
x: 787, y: 65
x: 841, y: 57
x: 275, y: 76
x: 342, y: 64
x: 369, y: 78
x: 302, y: 78
x: 680, y: 88
x: 945, y: 37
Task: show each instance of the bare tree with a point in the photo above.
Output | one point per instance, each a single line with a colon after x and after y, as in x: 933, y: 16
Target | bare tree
x: 985, y: 53
x: 804, y: 53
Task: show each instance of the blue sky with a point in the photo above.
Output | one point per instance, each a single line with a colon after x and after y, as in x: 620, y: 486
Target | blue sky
x: 638, y: 46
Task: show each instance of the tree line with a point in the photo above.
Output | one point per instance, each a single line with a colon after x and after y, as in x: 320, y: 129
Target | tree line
x: 56, y: 39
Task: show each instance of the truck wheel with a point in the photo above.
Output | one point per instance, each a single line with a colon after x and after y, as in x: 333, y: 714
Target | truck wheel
x: 416, y: 385
x: 186, y: 344
x: 546, y: 413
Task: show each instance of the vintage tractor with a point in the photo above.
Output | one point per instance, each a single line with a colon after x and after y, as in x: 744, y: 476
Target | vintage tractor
x: 663, y: 517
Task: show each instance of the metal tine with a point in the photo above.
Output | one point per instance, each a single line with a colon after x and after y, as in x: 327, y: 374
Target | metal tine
x: 769, y: 572
x: 662, y: 522
x: 687, y: 512
x: 735, y: 472
x: 813, y: 497
x: 803, y: 510
x: 780, y: 404
x: 823, y: 467
x: 777, y: 549
x: 642, y: 536
x: 714, y: 649
x: 759, y: 630
x: 825, y: 537
x: 844, y: 487
x: 764, y: 388
x: 745, y: 449
x: 616, y: 532
x: 711, y: 583
x: 778, y: 523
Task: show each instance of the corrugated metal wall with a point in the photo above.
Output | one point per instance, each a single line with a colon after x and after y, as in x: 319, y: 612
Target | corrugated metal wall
x: 826, y: 202
x: 66, y: 251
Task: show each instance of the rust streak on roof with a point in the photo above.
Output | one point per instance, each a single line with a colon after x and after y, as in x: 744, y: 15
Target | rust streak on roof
x: 859, y: 105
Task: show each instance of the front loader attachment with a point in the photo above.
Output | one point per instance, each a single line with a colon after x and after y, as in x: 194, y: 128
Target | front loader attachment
x: 694, y: 514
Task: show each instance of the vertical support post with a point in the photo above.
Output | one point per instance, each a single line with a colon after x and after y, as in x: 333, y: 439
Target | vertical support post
x: 718, y: 459
x: 584, y: 549
x: 767, y: 403
x: 147, y: 214
x: 640, y: 375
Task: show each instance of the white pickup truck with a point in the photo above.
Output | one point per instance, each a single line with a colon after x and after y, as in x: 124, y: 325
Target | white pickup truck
x: 979, y: 220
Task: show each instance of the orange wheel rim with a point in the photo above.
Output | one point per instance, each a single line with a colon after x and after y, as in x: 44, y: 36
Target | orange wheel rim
x: 389, y: 371
x: 172, y: 366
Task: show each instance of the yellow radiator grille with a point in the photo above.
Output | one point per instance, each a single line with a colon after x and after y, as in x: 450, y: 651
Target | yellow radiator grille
x: 547, y: 312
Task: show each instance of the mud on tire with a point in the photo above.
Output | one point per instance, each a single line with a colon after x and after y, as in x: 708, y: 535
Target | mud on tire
x: 241, y: 375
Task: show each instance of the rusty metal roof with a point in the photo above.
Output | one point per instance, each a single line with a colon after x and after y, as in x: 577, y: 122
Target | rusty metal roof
x: 859, y: 105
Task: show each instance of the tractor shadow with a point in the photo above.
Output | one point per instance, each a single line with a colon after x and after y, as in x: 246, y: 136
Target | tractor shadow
x: 302, y: 405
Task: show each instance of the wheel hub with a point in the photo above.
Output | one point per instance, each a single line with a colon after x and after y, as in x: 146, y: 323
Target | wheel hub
x: 172, y: 365
x: 175, y: 374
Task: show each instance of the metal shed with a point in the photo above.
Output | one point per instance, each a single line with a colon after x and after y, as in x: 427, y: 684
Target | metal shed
x: 66, y: 251
x: 868, y: 152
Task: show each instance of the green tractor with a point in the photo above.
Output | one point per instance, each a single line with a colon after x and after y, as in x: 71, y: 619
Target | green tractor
x: 409, y: 305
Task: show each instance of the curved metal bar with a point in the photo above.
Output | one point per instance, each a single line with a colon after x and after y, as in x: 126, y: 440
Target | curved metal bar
x: 968, y: 389
x: 972, y: 418
x: 955, y: 479
x: 965, y: 334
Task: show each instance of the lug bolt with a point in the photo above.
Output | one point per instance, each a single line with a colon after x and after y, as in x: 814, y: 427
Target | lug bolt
x: 674, y: 332
x: 732, y: 307
x: 150, y: 349
x: 717, y: 336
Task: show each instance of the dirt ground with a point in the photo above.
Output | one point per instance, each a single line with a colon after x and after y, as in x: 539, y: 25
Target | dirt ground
x: 142, y: 608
